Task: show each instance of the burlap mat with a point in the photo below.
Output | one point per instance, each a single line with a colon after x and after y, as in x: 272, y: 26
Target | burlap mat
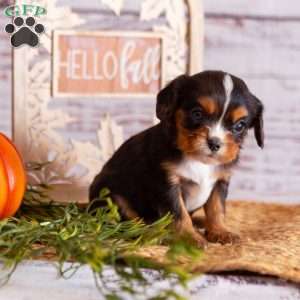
x: 270, y: 242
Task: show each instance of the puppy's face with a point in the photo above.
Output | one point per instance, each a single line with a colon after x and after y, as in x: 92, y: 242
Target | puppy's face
x: 211, y: 113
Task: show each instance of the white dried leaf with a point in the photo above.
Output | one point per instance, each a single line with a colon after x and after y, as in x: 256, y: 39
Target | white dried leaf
x: 110, y: 136
x: 175, y: 15
x: 90, y: 158
x: 152, y: 9
x: 115, y: 5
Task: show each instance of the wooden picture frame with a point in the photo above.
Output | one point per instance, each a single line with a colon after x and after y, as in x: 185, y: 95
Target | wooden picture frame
x: 39, y: 124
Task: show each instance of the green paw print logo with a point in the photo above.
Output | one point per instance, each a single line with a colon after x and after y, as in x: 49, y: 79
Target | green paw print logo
x: 24, y: 30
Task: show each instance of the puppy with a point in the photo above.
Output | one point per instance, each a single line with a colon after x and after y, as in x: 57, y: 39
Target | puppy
x: 185, y: 162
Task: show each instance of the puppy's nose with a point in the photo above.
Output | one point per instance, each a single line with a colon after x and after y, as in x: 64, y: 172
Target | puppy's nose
x: 214, y: 144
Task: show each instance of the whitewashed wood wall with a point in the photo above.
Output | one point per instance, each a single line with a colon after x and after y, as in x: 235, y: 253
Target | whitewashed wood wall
x: 259, y: 41
x: 256, y: 40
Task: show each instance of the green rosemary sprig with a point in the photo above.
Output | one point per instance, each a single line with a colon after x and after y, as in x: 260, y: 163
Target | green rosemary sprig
x: 71, y: 233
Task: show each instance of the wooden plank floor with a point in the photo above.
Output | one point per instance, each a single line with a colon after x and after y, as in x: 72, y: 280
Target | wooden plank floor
x: 39, y: 281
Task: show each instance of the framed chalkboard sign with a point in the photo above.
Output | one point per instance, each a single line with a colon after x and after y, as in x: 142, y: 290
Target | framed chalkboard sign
x: 91, y: 81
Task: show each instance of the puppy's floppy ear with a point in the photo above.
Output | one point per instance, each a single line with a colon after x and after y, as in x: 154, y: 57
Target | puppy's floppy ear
x: 167, y: 98
x: 258, y: 122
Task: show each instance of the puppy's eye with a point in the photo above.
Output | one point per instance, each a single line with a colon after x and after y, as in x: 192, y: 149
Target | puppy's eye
x: 196, y: 115
x: 239, y: 127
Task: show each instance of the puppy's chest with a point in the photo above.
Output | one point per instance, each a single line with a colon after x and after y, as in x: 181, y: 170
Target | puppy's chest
x: 197, y: 182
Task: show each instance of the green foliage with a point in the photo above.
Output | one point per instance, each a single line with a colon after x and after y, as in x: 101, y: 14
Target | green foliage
x: 93, y: 237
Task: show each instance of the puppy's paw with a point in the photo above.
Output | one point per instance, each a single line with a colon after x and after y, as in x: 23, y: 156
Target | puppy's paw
x: 199, y: 240
x: 222, y: 237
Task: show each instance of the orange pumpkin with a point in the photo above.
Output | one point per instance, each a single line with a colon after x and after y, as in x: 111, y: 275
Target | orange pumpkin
x: 12, y: 178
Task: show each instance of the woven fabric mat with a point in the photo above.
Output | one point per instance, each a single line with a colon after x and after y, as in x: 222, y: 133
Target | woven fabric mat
x: 270, y: 242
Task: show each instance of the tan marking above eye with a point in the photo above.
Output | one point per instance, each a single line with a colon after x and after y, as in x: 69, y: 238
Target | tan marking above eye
x: 238, y: 113
x: 208, y: 104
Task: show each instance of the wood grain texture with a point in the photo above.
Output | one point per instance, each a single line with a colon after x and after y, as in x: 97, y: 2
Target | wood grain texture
x: 257, y: 40
x: 267, y: 8
x: 48, y: 285
x: 254, y: 8
x: 253, y: 49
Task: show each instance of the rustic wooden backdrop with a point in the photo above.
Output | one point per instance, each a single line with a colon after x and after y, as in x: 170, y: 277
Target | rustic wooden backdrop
x: 257, y: 40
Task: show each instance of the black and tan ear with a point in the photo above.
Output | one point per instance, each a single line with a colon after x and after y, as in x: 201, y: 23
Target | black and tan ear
x: 167, y: 98
x: 258, y: 122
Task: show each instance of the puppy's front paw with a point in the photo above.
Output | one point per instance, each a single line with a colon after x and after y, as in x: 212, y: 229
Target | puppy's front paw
x: 199, y: 240
x: 222, y: 237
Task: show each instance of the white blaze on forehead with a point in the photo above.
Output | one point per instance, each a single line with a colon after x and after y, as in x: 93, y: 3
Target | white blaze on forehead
x: 218, y: 130
x: 228, y: 86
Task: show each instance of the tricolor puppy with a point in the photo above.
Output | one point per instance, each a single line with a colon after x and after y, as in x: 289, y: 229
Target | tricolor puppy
x: 185, y: 162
